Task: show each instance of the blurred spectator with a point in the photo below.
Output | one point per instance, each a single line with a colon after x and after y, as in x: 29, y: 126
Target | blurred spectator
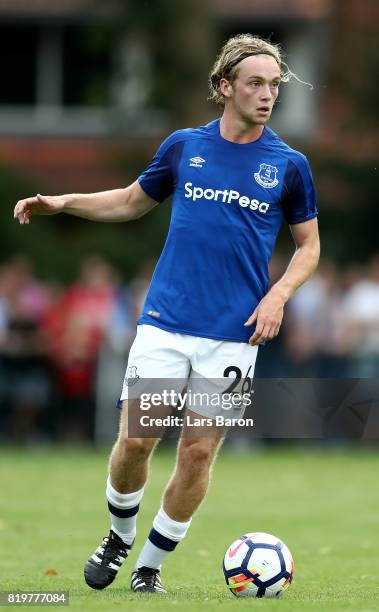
x: 25, y: 376
x: 129, y: 301
x: 314, y: 331
x: 360, y: 312
x: 75, y: 327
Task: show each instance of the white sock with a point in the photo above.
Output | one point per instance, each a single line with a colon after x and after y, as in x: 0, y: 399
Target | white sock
x: 123, y: 509
x: 163, y: 538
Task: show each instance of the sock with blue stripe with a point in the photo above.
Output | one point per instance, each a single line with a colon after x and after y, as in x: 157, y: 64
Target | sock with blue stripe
x: 163, y: 538
x: 123, y: 509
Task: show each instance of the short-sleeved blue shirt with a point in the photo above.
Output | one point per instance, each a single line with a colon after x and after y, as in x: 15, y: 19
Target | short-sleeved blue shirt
x: 229, y: 201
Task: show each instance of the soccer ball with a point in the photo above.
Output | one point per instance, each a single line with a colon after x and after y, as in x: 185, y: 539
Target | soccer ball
x: 258, y: 565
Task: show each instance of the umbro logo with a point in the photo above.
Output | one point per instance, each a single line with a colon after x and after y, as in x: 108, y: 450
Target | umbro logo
x: 197, y: 162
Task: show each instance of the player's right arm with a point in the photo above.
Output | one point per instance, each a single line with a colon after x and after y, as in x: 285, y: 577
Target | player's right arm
x: 115, y: 205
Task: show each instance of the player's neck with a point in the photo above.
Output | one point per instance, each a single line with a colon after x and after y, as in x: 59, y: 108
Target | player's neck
x: 238, y: 131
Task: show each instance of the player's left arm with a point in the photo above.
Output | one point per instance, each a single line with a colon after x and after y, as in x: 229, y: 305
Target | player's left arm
x: 268, y: 315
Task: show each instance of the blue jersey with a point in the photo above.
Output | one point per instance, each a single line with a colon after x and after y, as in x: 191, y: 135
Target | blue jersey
x: 229, y: 201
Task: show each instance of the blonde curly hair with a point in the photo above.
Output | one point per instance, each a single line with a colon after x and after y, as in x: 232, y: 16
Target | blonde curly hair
x: 233, y: 52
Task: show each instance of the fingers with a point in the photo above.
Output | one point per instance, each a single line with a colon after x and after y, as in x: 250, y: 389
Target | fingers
x: 22, y: 210
x: 267, y: 316
x: 252, y: 318
x: 264, y: 333
x: 259, y: 335
x: 38, y: 204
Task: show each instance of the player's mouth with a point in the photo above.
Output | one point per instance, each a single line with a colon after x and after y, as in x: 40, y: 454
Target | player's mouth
x: 263, y: 110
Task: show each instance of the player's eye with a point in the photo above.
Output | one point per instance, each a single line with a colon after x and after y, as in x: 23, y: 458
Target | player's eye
x: 275, y: 85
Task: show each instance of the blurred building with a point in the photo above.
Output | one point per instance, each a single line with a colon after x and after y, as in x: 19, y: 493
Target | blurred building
x: 86, y: 83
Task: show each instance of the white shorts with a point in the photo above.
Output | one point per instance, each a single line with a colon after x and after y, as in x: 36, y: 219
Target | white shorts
x: 167, y: 360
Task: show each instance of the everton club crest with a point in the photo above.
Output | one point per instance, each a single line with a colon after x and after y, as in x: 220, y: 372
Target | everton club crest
x: 267, y: 176
x: 131, y: 376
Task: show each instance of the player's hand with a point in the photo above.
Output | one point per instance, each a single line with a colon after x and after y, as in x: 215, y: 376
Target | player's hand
x: 38, y: 205
x: 268, y: 317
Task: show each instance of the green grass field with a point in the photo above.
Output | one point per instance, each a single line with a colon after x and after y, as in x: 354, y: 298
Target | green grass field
x: 322, y: 503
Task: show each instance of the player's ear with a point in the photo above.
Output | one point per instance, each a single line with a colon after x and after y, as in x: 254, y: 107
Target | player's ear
x: 226, y: 88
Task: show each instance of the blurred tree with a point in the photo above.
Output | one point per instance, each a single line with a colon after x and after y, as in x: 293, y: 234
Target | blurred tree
x: 56, y: 245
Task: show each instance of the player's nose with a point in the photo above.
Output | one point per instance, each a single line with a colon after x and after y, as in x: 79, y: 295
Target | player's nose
x: 266, y: 93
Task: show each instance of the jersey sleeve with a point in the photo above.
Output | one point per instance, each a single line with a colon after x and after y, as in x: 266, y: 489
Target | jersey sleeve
x: 159, y: 178
x: 299, y: 202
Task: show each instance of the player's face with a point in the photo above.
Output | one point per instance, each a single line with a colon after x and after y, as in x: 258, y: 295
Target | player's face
x: 255, y: 88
